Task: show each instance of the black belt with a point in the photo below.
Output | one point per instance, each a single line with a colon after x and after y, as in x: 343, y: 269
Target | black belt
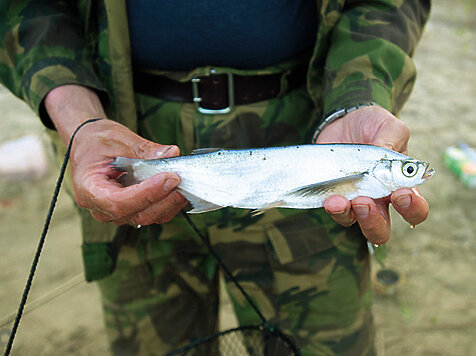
x: 217, y: 93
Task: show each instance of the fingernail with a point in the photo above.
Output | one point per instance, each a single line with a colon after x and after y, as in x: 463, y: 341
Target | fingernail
x: 338, y: 212
x: 163, y: 150
x: 170, y: 184
x: 414, y: 190
x: 403, y: 201
x: 362, y: 211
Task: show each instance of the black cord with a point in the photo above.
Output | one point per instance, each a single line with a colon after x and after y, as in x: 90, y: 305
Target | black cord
x: 225, y: 269
x: 45, y: 230
x: 42, y: 238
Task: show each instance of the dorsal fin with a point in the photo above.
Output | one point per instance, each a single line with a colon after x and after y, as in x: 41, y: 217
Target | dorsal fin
x: 202, y: 151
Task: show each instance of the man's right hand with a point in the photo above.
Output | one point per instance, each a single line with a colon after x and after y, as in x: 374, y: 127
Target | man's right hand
x: 94, y: 148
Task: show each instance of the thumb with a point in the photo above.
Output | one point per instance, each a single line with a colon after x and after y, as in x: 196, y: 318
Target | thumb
x: 151, y: 150
x: 165, y: 151
x: 394, y: 135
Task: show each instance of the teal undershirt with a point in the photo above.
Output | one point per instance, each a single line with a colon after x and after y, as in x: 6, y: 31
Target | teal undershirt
x: 245, y: 34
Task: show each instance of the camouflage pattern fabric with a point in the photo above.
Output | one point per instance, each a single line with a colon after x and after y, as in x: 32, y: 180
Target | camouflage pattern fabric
x: 309, y: 276
x: 362, y: 54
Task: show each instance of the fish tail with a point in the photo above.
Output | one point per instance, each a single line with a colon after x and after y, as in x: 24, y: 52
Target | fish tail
x: 125, y: 165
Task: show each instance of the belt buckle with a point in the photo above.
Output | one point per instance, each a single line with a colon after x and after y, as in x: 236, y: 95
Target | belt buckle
x: 197, y: 99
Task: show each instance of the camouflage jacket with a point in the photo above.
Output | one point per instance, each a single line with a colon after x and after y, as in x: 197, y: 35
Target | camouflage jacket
x: 362, y: 51
x: 362, y: 54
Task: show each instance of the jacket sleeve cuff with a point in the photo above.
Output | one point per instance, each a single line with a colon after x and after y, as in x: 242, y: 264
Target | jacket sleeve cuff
x: 382, y: 74
x: 45, y: 76
x: 352, y: 93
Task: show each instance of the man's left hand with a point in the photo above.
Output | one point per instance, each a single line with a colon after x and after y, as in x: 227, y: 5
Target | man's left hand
x: 373, y: 125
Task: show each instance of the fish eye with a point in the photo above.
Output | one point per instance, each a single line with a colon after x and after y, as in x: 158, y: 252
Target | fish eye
x: 409, y: 169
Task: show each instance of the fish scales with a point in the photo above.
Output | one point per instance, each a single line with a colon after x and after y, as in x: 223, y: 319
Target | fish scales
x: 293, y: 177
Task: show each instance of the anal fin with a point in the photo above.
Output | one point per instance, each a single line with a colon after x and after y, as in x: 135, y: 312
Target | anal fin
x: 199, y: 205
x: 266, y: 207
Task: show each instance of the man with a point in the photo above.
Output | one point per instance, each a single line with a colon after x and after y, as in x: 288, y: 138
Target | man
x: 309, y: 276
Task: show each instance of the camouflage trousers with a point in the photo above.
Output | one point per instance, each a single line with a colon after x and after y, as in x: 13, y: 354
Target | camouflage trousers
x: 308, y: 275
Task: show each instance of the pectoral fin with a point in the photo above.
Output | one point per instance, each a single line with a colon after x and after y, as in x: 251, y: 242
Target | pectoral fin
x: 199, y: 205
x: 343, y: 186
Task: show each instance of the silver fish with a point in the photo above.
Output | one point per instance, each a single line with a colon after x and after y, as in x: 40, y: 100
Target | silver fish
x: 300, y: 177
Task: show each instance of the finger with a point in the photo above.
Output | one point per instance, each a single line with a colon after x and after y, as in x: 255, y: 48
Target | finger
x: 373, y: 218
x: 410, y: 205
x: 392, y: 134
x: 101, y: 217
x: 157, y: 214
x: 162, y: 212
x: 151, y: 150
x: 109, y: 197
x: 138, y: 197
x: 168, y: 151
x: 339, y: 208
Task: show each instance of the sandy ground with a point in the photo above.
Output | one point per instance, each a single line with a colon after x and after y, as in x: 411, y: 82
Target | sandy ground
x: 434, y: 309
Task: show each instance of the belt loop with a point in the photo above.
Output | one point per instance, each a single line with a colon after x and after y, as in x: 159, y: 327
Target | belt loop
x: 293, y: 77
x: 284, y: 83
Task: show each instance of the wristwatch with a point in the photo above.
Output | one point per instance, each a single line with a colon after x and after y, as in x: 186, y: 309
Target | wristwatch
x: 336, y: 115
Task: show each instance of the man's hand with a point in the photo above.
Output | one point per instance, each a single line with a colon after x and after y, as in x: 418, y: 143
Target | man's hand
x: 96, y: 187
x: 95, y: 146
x: 373, y: 125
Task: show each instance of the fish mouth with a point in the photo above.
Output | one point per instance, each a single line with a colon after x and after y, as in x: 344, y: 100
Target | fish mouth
x: 428, y: 172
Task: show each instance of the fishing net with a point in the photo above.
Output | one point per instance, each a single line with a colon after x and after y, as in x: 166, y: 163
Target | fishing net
x: 256, y: 340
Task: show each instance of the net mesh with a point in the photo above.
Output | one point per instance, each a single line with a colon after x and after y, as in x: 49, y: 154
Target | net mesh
x: 243, y: 341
